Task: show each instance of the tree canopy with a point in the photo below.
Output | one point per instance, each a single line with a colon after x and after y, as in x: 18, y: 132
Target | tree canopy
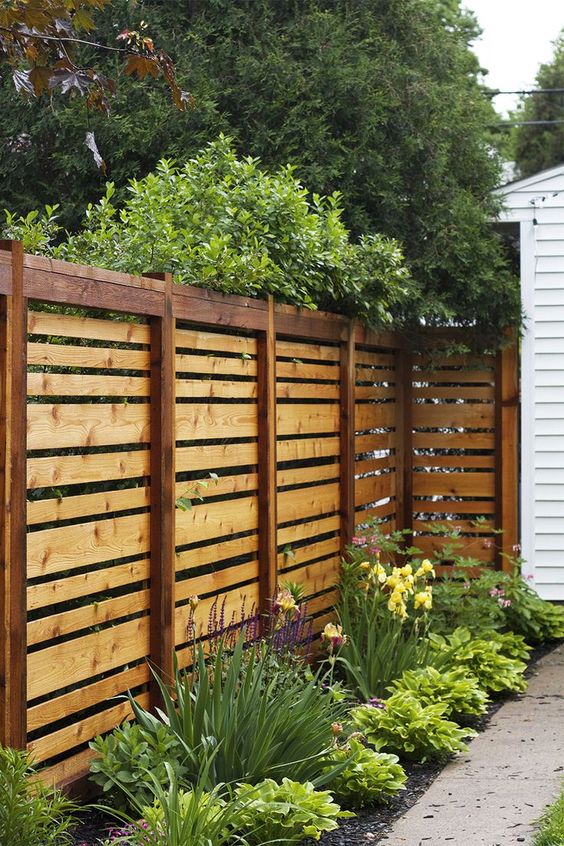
x: 378, y: 100
x: 540, y: 146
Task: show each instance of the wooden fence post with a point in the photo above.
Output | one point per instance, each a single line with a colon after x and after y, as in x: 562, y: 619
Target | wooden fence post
x: 163, y: 399
x: 404, y: 438
x: 507, y: 451
x: 267, y: 462
x: 13, y: 565
x: 347, y: 438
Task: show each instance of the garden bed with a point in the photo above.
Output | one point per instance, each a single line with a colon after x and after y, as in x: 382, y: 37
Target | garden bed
x: 370, y: 824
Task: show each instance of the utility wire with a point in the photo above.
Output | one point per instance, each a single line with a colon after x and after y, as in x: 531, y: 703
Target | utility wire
x: 530, y: 123
x: 495, y: 92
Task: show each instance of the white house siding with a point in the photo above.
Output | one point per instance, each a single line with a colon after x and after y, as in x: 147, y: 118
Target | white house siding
x: 538, y: 205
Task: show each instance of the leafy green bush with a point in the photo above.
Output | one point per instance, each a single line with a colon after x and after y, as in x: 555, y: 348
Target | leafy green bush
x: 459, y: 692
x: 221, y: 222
x: 459, y: 601
x: 368, y: 777
x: 30, y: 814
x: 535, y: 618
x: 510, y: 644
x: 248, y: 717
x: 406, y: 727
x: 286, y: 812
x: 494, y: 671
x: 129, y: 753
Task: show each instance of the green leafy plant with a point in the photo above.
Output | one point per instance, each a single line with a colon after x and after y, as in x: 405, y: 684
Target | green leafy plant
x: 368, y: 777
x: 222, y: 222
x: 176, y: 817
x: 31, y: 814
x: 129, y: 753
x: 482, y: 658
x: 535, y: 618
x: 458, y: 691
x: 510, y: 644
x: 286, y: 812
x: 406, y: 727
x: 383, y: 613
x: 257, y: 718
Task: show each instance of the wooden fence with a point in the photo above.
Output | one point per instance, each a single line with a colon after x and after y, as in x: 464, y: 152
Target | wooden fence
x: 138, y: 392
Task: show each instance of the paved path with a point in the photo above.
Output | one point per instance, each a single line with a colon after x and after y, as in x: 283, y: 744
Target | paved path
x: 492, y: 795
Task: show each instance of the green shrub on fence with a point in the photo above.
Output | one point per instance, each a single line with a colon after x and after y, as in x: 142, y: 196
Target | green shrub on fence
x: 224, y: 223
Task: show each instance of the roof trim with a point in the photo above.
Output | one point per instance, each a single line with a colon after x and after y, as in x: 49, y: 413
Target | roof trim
x: 530, y: 181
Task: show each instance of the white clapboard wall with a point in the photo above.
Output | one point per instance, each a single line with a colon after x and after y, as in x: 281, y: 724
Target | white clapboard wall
x: 537, y: 203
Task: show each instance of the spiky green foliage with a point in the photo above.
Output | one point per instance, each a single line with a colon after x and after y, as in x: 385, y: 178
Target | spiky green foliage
x: 30, y: 813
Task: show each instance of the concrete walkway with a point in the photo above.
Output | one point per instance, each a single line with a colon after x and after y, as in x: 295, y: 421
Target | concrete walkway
x: 492, y: 795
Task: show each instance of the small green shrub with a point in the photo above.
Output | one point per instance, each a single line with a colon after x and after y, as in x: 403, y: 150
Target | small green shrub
x: 459, y: 692
x: 409, y: 729
x: 495, y: 672
x: 286, y: 812
x: 30, y: 813
x: 510, y: 644
x: 175, y: 817
x: 368, y: 777
x: 128, y: 754
x: 535, y: 618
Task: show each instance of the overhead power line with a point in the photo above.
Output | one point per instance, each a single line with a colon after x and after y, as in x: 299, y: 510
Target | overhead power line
x: 530, y: 123
x: 495, y: 92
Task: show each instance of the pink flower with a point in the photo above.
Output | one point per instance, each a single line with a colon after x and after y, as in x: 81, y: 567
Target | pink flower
x: 488, y: 544
x: 516, y: 547
x: 466, y: 585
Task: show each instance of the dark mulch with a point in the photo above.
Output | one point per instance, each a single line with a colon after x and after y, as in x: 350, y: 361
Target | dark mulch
x: 370, y: 824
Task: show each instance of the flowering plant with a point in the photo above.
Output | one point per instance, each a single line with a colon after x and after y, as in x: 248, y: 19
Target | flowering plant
x: 382, y: 612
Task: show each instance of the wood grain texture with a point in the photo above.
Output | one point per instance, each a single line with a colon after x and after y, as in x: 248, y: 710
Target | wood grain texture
x: 13, y: 648
x: 79, y: 659
x: 267, y: 478
x: 84, y: 730
x: 98, y: 358
x: 507, y: 453
x: 86, y: 696
x: 91, y: 328
x: 98, y: 424
x: 59, y: 470
x: 347, y: 439
x: 50, y: 551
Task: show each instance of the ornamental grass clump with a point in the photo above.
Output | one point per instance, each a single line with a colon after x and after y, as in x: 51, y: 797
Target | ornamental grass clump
x: 250, y: 717
x: 495, y: 672
x: 404, y: 726
x: 369, y: 777
x: 459, y: 692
